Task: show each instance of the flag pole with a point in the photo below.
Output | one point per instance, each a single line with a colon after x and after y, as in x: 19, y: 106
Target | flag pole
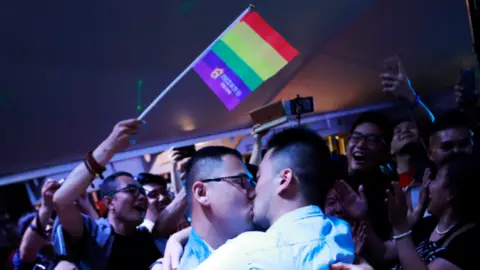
x: 179, y: 77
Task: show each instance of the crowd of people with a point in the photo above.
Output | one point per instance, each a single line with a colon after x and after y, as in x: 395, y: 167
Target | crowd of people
x: 403, y: 197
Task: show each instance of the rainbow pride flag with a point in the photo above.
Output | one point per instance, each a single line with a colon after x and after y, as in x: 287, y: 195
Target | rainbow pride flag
x: 243, y: 58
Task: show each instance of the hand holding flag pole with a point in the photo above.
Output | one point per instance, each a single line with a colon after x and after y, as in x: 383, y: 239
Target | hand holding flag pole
x: 179, y: 77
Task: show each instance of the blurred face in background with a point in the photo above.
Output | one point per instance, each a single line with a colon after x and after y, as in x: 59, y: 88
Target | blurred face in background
x: 449, y: 141
x: 366, y: 148
x: 333, y: 206
x: 405, y: 133
x: 158, y: 196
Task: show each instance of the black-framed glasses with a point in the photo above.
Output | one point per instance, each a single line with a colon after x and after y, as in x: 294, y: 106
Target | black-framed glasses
x: 370, y: 139
x: 133, y: 190
x: 245, y: 181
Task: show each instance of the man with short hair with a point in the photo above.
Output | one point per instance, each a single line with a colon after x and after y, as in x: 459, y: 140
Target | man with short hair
x: 158, y: 197
x: 115, y: 242
x: 293, y: 180
x: 450, y: 133
x: 219, y: 194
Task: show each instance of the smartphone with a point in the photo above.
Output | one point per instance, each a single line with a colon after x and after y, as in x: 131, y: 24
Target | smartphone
x: 186, y: 151
x: 391, y: 65
x: 467, y: 81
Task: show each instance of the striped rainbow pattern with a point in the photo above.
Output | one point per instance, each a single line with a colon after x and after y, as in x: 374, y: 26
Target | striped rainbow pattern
x: 241, y: 60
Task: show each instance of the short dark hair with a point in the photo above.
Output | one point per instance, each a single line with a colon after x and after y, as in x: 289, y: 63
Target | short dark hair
x: 148, y: 178
x: 110, y: 184
x: 25, y: 221
x: 448, y: 120
x: 462, y: 173
x: 201, y: 161
x: 308, y: 155
x: 379, y: 120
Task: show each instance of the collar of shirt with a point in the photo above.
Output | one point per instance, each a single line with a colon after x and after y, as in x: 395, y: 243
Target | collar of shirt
x: 196, y: 251
x: 289, y: 218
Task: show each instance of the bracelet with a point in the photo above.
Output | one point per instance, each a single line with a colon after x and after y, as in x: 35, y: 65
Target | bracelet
x: 94, y: 167
x: 37, y: 231
x: 402, y: 235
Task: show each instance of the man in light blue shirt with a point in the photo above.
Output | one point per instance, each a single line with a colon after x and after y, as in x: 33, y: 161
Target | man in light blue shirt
x: 220, y: 193
x: 293, y: 178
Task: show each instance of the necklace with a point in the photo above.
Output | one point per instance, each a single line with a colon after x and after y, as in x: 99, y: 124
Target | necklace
x: 445, y: 231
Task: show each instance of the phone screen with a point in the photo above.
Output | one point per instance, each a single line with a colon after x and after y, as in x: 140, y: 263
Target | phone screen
x: 391, y: 65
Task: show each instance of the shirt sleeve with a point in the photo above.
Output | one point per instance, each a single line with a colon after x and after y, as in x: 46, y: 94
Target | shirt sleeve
x: 61, y: 240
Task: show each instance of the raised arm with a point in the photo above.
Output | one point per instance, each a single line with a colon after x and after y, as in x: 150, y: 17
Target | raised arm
x: 35, y: 237
x: 395, y: 81
x: 168, y: 219
x: 80, y: 178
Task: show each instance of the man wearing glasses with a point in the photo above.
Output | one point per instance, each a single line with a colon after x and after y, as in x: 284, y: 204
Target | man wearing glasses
x: 220, y: 190
x: 292, y: 180
x: 114, y: 242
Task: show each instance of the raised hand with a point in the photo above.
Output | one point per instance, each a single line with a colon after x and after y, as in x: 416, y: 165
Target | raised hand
x: 119, y: 139
x: 174, y: 155
x: 395, y: 80
x: 257, y: 136
x: 48, y: 189
x: 397, y: 206
x: 355, y: 205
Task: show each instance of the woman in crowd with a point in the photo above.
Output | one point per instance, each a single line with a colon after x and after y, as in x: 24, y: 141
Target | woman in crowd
x: 446, y: 240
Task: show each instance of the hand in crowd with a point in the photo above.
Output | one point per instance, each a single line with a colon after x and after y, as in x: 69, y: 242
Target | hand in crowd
x: 427, y: 178
x: 355, y: 205
x: 257, y: 136
x: 395, y: 80
x: 397, y: 207
x: 359, y: 234
x: 48, y: 189
x: 174, y: 155
x: 346, y: 266
x: 173, y: 253
x: 118, y: 140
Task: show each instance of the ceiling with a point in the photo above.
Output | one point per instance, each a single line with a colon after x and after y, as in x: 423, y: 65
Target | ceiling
x: 70, y: 69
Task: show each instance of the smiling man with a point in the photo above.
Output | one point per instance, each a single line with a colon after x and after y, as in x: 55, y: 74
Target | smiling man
x: 368, y: 151
x: 106, y: 243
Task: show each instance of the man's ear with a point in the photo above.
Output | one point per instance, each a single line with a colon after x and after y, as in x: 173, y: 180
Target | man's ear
x: 200, y: 194
x: 286, y: 179
x: 107, y: 201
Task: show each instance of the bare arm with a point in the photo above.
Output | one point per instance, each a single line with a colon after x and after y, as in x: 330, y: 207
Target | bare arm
x: 78, y: 180
x: 168, y: 219
x: 395, y: 81
x: 32, y: 242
